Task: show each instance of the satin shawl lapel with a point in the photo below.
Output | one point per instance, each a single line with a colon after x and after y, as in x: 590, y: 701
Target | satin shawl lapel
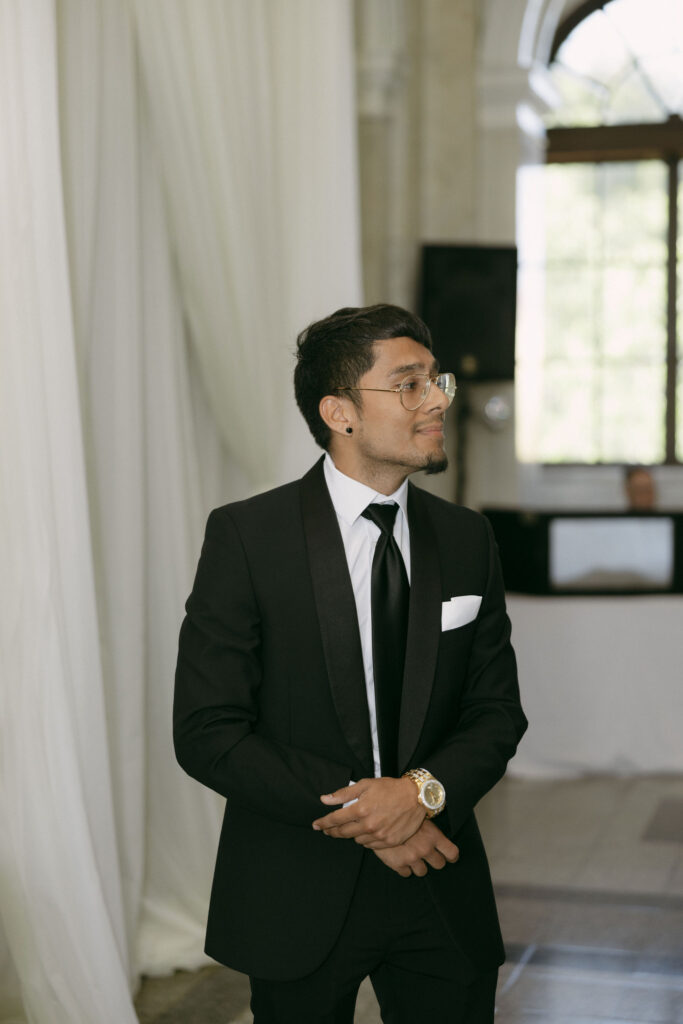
x: 424, y: 626
x: 337, y: 614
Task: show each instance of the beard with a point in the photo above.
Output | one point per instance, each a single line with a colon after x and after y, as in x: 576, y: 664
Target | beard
x: 436, y: 464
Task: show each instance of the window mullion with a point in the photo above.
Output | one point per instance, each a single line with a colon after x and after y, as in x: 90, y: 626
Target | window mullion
x: 671, y: 317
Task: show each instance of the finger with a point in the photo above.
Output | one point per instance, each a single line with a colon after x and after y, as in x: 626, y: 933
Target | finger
x: 448, y: 849
x: 419, y: 868
x: 342, y: 796
x: 339, y: 832
x: 370, y: 841
x: 335, y: 818
x: 435, y: 860
x: 349, y: 831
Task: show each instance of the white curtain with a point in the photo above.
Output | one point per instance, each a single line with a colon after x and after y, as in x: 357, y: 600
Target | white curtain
x: 60, y: 873
x: 252, y: 108
x: 145, y: 375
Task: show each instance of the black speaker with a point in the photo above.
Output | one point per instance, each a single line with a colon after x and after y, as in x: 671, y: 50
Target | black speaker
x: 468, y: 299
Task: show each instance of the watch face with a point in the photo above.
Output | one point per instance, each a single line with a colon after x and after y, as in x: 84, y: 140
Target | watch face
x: 432, y: 794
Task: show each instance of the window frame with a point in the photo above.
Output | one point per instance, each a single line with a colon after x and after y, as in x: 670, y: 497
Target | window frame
x: 631, y: 142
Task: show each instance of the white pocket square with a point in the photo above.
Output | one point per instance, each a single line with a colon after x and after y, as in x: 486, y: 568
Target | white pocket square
x: 459, y: 611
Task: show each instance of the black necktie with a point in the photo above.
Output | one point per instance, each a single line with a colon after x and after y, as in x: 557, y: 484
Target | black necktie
x: 390, y: 595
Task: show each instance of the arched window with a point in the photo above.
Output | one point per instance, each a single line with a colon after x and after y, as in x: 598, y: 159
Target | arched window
x: 600, y: 376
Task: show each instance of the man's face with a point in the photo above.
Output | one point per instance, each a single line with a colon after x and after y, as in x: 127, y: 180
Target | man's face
x: 640, y: 490
x: 385, y: 433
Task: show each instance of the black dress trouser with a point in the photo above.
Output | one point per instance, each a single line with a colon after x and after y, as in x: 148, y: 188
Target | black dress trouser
x: 393, y: 934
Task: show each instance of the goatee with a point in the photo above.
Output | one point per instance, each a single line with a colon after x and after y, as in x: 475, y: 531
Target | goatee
x: 436, y: 464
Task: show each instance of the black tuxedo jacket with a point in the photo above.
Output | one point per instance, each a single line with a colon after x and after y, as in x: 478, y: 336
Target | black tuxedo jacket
x: 271, y: 711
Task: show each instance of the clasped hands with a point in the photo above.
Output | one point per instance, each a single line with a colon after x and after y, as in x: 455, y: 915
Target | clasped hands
x: 386, y: 817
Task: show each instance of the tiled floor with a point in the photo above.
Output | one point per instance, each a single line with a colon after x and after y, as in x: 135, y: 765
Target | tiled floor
x: 586, y: 834
x: 589, y: 879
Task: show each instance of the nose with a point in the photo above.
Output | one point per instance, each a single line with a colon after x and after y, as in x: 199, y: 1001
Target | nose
x: 436, y: 399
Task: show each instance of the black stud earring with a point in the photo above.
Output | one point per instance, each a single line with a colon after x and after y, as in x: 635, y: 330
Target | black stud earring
x: 349, y: 430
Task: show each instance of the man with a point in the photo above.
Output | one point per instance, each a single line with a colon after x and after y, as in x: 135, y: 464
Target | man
x: 343, y: 630
x: 639, y: 489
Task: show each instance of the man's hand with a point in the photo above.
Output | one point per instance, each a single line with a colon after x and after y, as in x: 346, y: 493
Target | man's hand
x: 429, y: 846
x: 386, y: 812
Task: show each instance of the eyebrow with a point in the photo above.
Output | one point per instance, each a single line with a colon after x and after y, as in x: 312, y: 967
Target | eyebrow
x: 401, y: 371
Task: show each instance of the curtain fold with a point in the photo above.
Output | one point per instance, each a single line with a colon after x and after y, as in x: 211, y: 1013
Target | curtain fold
x: 182, y: 819
x: 100, y: 160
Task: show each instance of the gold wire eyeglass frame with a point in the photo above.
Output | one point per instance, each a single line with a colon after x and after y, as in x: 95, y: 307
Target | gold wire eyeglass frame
x: 421, y: 382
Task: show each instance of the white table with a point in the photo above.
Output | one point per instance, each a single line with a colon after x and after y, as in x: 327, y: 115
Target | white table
x: 602, y: 684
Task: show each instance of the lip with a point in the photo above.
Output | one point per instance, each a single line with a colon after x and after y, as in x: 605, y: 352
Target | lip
x: 435, y: 429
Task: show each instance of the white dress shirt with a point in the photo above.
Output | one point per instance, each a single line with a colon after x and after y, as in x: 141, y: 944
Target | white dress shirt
x: 350, y: 498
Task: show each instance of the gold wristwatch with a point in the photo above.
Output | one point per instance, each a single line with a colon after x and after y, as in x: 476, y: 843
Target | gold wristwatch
x: 430, y: 792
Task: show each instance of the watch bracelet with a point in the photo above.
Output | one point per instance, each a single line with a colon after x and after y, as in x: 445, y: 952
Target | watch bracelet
x: 419, y: 776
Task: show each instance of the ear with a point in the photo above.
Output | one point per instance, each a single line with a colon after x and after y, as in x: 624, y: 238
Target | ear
x: 337, y: 413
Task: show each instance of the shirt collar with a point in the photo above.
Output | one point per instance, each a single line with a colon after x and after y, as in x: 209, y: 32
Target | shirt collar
x: 350, y: 497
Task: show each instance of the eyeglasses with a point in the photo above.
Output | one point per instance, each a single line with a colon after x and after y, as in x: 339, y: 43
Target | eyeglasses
x: 415, y: 388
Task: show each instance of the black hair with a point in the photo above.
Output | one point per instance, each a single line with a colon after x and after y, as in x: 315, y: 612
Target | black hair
x: 630, y: 471
x: 336, y: 352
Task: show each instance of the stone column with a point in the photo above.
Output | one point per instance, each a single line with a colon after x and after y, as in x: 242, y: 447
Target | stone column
x: 380, y: 76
